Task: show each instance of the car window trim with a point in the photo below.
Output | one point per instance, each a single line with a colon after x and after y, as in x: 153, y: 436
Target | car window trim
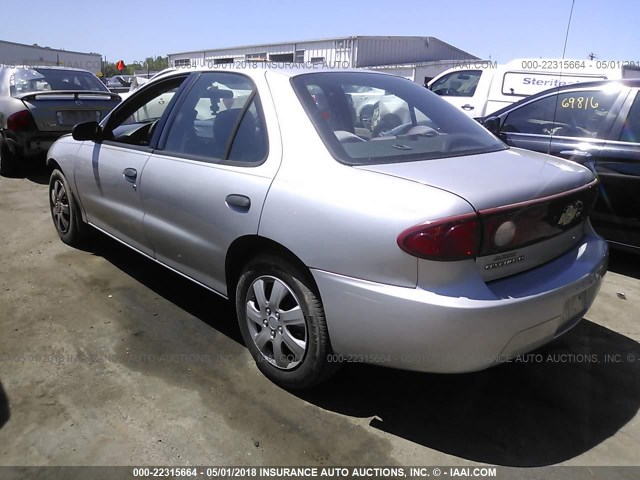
x: 128, y: 146
x: 168, y: 122
x: 621, y: 117
x: 236, y: 127
x: 177, y: 99
x: 201, y: 159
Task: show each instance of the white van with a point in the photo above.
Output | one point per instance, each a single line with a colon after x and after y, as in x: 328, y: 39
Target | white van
x: 480, y: 88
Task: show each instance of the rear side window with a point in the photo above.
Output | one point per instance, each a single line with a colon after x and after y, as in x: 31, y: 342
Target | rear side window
x: 457, y: 84
x: 367, y: 118
x: 631, y: 129
x: 570, y: 114
x: 31, y: 80
x: 220, y: 120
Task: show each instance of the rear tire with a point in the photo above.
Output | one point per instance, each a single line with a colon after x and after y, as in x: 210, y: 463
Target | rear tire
x: 65, y: 211
x: 8, y: 161
x: 283, y: 324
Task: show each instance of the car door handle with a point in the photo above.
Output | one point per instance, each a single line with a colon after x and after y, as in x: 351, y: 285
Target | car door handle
x: 238, y: 202
x: 467, y: 107
x: 575, y: 153
x: 130, y: 174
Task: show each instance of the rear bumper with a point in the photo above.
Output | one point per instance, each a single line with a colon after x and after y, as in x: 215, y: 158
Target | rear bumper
x: 33, y: 144
x: 415, y: 329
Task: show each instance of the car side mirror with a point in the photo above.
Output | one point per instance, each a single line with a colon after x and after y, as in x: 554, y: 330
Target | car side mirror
x: 87, y: 131
x: 492, y: 124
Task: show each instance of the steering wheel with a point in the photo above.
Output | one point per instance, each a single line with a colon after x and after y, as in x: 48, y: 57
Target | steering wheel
x: 447, y: 92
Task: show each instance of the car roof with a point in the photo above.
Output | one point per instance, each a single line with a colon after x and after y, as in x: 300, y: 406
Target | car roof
x: 259, y: 70
x: 626, y: 82
x: 288, y: 71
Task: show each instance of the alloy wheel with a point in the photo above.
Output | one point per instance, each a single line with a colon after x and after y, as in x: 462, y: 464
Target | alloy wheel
x: 276, y: 322
x: 60, y: 207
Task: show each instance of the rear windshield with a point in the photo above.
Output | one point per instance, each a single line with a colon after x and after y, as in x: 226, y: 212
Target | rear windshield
x: 31, y: 80
x: 367, y: 118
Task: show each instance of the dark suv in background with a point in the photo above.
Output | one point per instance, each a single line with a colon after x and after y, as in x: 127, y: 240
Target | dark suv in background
x: 40, y: 104
x: 596, y: 124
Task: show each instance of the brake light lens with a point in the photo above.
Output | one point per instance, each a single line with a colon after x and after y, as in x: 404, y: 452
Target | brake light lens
x: 21, y: 121
x: 448, y: 239
x: 516, y: 226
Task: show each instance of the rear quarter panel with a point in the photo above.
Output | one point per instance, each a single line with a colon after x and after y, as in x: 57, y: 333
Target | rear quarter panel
x: 338, y: 218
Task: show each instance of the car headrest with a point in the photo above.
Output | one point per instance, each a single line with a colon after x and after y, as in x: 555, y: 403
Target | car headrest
x: 224, y: 123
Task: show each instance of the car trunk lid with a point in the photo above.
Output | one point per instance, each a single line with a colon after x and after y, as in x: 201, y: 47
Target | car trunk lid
x: 493, y: 179
x: 531, y: 207
x: 59, y: 111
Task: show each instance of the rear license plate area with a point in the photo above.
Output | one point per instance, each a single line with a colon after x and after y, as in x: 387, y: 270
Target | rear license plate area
x: 73, y: 117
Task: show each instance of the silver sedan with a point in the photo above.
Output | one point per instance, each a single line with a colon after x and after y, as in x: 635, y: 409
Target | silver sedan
x: 414, y: 239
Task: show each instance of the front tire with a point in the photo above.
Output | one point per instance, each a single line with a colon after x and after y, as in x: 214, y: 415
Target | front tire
x: 65, y: 211
x: 283, y: 324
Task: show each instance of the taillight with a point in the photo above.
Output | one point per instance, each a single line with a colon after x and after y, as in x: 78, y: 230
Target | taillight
x: 21, y: 121
x: 516, y: 226
x: 453, y: 238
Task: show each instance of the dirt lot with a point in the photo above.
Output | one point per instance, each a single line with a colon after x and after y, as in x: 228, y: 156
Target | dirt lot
x: 108, y: 359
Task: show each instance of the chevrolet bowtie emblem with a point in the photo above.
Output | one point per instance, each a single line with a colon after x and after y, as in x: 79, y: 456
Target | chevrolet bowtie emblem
x: 571, y: 212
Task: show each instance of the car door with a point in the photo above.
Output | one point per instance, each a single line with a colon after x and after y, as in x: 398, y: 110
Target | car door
x: 572, y: 124
x: 108, y: 175
x: 464, y: 89
x: 618, y: 168
x: 206, y: 184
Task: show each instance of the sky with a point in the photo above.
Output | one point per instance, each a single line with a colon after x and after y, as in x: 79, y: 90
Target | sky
x: 499, y: 30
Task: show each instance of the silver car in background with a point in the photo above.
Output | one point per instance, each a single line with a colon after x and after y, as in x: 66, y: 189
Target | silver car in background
x: 421, y: 243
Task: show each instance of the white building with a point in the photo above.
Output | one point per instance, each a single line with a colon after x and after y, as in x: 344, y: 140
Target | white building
x: 19, y: 54
x: 344, y: 52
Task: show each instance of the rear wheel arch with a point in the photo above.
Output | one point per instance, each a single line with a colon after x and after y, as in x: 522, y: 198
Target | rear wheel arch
x: 244, y: 249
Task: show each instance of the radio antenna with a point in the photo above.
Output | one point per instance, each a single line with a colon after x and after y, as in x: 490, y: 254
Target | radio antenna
x: 566, y: 36
x: 564, y: 50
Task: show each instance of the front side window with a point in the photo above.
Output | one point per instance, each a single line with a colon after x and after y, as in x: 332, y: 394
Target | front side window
x: 406, y: 123
x: 31, y: 80
x: 220, y: 119
x: 457, y: 84
x: 135, y: 122
x: 570, y: 114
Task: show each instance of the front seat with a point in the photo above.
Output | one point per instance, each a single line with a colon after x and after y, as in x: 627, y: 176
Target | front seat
x: 223, y: 126
x: 249, y: 143
x: 182, y: 136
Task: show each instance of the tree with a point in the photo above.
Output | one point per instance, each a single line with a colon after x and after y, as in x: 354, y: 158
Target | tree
x: 152, y: 64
